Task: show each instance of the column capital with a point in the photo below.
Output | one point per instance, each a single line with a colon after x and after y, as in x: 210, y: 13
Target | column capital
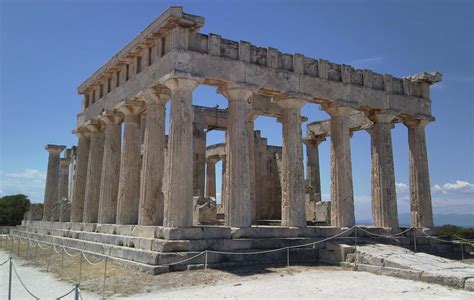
x: 286, y: 102
x: 81, y: 132
x: 381, y: 117
x: 180, y: 81
x: 158, y: 94
x: 130, y: 107
x: 314, y: 139
x: 64, y: 161
x: 412, y: 122
x: 335, y: 110
x: 54, y: 149
x: 111, y: 117
x: 237, y: 92
x: 94, y: 126
x: 212, y: 159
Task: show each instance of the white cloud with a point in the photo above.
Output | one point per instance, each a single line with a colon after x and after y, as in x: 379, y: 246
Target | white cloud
x: 401, y: 187
x: 30, y: 182
x: 458, y: 187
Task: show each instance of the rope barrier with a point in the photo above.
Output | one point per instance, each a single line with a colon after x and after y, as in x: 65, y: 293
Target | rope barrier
x: 470, y: 242
x: 1, y: 264
x: 54, y: 247
x: 73, y: 289
x: 383, y: 235
x: 70, y: 255
x: 23, y: 284
x: 442, y: 240
x: 88, y: 261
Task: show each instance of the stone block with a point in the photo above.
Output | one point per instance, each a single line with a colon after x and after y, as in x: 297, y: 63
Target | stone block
x: 469, y: 284
x: 36, y: 212
x: 64, y: 210
x: 124, y: 229
x: 205, y: 211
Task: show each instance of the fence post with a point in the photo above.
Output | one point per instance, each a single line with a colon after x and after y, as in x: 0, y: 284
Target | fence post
x: 288, y: 256
x: 18, y: 248
x: 27, y: 248
x: 49, y: 258
x: 36, y: 251
x: 105, y: 274
x: 11, y: 247
x: 62, y: 261
x: 76, y: 292
x: 414, y: 239
x: 462, y: 251
x: 10, y: 280
x: 355, y: 236
x: 80, y: 267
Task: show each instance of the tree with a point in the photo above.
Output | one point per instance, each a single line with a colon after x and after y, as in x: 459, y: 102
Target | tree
x: 12, y: 209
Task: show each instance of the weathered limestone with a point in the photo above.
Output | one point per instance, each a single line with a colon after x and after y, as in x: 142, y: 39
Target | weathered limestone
x: 52, y: 180
x: 83, y: 146
x: 178, y: 208
x: 205, y: 211
x: 199, y: 157
x: 420, y: 193
x: 312, y: 168
x: 64, y: 210
x: 384, y: 197
x: 55, y: 211
x: 151, y: 195
x: 211, y: 178
x: 63, y: 178
x: 35, y: 213
x: 129, y: 181
x: 94, y: 173
x: 224, y: 181
x: 238, y: 205
x: 252, y: 172
x: 342, y: 195
x: 110, y: 166
x: 293, y: 188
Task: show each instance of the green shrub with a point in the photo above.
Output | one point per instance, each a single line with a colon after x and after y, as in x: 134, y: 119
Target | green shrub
x: 450, y: 231
x: 12, y: 209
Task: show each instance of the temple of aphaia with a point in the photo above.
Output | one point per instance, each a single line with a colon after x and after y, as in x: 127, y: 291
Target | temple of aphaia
x: 130, y: 187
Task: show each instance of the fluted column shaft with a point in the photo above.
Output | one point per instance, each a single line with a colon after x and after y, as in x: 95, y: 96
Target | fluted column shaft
x: 224, y: 182
x: 251, y: 145
x: 211, y: 178
x: 94, y: 174
x: 151, y: 196
x: 199, y: 159
x: 420, y: 193
x: 293, y: 210
x: 342, y: 194
x: 129, y: 180
x: 52, y: 180
x: 63, y: 179
x: 178, y: 208
x: 384, y: 197
x: 83, y: 145
x: 110, y: 167
x: 238, y: 205
x: 312, y: 167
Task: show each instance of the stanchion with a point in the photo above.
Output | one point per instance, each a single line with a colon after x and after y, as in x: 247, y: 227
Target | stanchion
x: 105, y: 274
x: 288, y: 256
x: 27, y: 248
x: 355, y: 236
x: 62, y: 261
x: 11, y: 247
x: 80, y: 267
x: 462, y: 251
x: 49, y: 258
x: 76, y: 292
x: 18, y: 248
x: 10, y: 280
x: 414, y: 239
x: 205, y: 261
x: 36, y: 252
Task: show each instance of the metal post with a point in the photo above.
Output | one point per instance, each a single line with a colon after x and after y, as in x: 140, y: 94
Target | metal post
x: 414, y: 238
x: 62, y: 261
x: 80, y: 267
x: 462, y: 251
x: 49, y: 258
x: 36, y: 251
x: 288, y: 257
x: 10, y: 280
x: 205, y: 261
x: 355, y: 236
x: 27, y: 248
x: 76, y: 292
x: 11, y: 248
x: 18, y: 248
x: 105, y: 274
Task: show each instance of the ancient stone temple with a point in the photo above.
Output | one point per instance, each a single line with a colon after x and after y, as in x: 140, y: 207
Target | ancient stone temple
x: 130, y: 179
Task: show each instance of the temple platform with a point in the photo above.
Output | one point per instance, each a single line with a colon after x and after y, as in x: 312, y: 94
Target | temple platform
x: 154, y: 249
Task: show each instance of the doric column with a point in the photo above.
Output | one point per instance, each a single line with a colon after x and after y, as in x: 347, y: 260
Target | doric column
x: 63, y: 178
x: 94, y: 173
x: 151, y: 194
x: 238, y: 205
x: 293, y: 210
x: 251, y: 142
x: 199, y: 158
x: 130, y: 163
x: 384, y: 197
x: 83, y: 145
x: 110, y: 166
x: 211, y: 178
x: 224, y: 181
x: 342, y: 195
x: 312, y: 167
x: 420, y: 200
x: 52, y: 180
x: 178, y: 210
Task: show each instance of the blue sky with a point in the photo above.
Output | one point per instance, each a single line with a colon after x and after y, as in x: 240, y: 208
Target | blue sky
x: 49, y: 47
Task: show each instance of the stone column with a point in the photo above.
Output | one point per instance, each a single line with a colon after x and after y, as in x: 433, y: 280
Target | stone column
x: 293, y: 210
x: 151, y: 194
x: 312, y: 167
x: 224, y: 191
x: 199, y: 158
x: 384, y: 197
x: 420, y: 193
x: 252, y: 173
x: 342, y: 195
x: 211, y: 178
x: 238, y: 206
x: 52, y: 180
x: 63, y: 179
x: 110, y: 166
x: 83, y: 145
x: 178, y: 210
x: 94, y: 173
x: 129, y: 180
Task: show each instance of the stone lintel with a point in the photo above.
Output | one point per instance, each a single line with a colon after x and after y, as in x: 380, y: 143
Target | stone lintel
x: 357, y: 121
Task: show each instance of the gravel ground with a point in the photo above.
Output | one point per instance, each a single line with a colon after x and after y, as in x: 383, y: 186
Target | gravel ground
x: 302, y: 282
